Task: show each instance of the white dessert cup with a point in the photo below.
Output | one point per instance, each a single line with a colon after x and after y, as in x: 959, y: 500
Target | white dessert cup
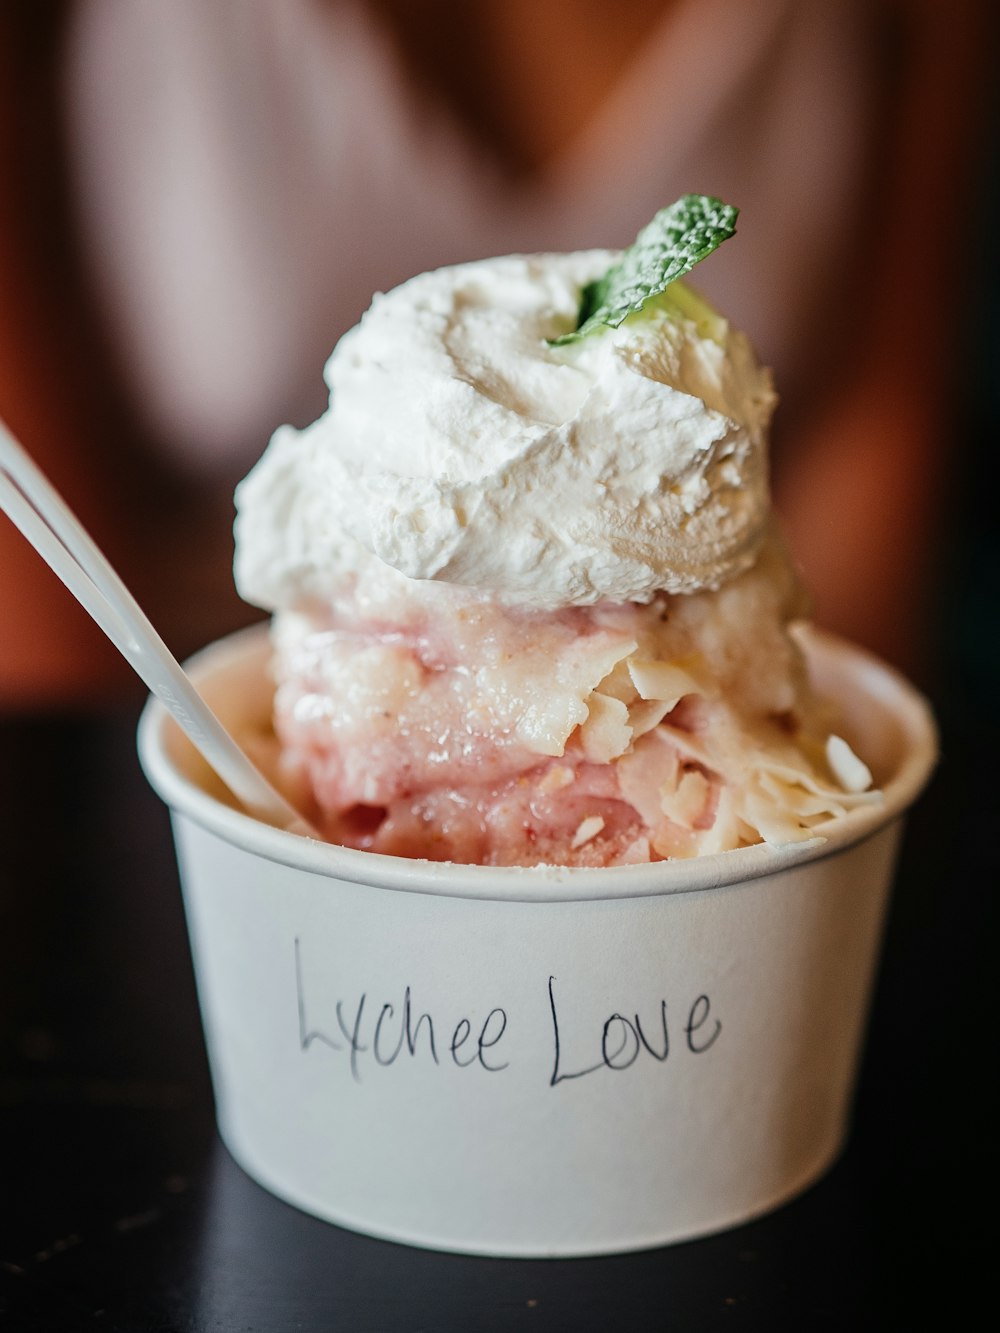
x: 535, y: 1062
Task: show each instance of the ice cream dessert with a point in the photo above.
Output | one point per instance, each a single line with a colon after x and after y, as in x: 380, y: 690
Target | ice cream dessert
x: 530, y: 605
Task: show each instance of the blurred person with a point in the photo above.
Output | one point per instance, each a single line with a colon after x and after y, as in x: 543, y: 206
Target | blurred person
x: 240, y: 176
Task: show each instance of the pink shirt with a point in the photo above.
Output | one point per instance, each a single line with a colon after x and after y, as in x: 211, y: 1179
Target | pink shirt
x: 250, y: 171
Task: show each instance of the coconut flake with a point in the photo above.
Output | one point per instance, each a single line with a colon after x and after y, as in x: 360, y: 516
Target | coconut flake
x: 555, y: 779
x: 852, y: 773
x: 661, y: 680
x: 686, y: 805
x: 645, y: 714
x: 589, y: 829
x: 606, y: 733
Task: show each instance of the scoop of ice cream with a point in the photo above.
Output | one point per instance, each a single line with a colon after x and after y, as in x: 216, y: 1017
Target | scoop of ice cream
x: 531, y: 605
x: 605, y: 735
x: 461, y: 446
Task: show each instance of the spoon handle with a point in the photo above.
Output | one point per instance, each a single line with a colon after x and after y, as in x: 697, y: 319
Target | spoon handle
x: 44, y: 518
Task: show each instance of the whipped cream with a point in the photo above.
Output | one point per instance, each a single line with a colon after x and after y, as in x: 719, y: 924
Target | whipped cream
x: 460, y: 447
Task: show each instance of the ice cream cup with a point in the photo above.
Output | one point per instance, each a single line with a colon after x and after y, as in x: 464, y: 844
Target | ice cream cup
x: 539, y: 1061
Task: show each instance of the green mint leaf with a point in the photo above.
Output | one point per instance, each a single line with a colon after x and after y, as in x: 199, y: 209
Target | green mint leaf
x: 668, y: 247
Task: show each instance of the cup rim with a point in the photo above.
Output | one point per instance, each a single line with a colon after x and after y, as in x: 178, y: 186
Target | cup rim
x: 909, y: 709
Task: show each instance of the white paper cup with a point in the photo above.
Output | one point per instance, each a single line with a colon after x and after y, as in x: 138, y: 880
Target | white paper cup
x: 534, y: 1062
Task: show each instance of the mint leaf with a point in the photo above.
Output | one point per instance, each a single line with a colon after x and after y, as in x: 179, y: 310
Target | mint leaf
x: 668, y: 247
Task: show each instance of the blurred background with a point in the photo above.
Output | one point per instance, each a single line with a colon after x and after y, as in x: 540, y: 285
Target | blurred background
x: 200, y: 198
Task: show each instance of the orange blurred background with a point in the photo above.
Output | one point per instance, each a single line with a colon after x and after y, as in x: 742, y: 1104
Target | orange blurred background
x: 192, y: 228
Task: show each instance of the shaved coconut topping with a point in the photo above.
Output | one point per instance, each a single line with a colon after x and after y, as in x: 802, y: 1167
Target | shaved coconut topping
x: 672, y: 730
x: 645, y: 715
x: 606, y: 733
x: 588, y: 830
x: 555, y: 779
x: 850, y: 771
x: 687, y: 805
x: 661, y: 680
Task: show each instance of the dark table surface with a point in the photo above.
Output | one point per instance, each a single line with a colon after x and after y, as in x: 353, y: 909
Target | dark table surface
x: 121, y: 1210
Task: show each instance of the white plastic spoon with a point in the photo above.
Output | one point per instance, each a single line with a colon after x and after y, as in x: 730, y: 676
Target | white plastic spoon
x: 37, y: 509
